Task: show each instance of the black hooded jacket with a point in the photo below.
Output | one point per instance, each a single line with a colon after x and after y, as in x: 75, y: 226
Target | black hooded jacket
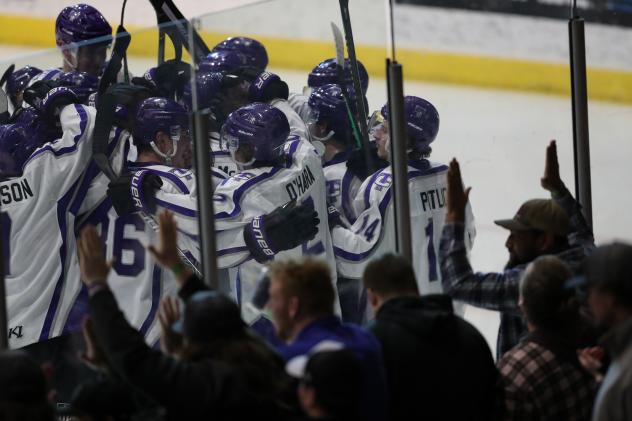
x: 438, y: 366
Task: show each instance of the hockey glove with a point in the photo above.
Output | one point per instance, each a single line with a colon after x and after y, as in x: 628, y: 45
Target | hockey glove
x: 359, y: 167
x: 266, y: 87
x: 286, y: 227
x: 261, y: 296
x: 49, y: 99
x: 124, y: 192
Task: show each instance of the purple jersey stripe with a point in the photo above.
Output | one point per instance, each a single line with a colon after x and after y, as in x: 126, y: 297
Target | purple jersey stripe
x: 178, y: 209
x: 83, y: 116
x: 231, y: 251
x: 155, y: 299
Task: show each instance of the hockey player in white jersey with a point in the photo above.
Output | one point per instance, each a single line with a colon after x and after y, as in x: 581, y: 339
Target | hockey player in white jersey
x: 83, y: 36
x: 41, y: 198
x: 373, y: 233
x: 275, y: 169
x: 177, y: 192
x: 329, y: 124
x: 163, y: 143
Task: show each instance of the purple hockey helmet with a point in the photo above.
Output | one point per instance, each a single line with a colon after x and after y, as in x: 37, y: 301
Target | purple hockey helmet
x: 327, y: 105
x: 260, y: 126
x: 19, y: 80
x: 81, y: 22
x: 253, y: 50
x: 224, y: 61
x: 81, y: 84
x: 17, y: 143
x: 326, y: 72
x: 159, y: 115
x: 422, y: 122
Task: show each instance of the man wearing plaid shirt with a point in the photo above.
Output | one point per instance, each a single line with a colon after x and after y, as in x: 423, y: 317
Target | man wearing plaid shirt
x: 540, y: 227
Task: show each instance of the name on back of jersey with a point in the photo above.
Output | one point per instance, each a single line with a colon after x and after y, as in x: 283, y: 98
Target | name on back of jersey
x: 299, y: 185
x: 433, y: 199
x: 14, y: 191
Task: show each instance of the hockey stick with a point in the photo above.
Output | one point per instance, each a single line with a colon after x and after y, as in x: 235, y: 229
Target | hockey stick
x: 355, y: 76
x: 125, y: 68
x: 178, y: 30
x: 105, y: 118
x: 7, y: 74
x: 340, y: 62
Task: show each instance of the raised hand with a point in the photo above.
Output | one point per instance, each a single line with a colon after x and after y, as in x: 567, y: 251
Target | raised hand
x: 551, y: 179
x: 166, y: 253
x: 168, y: 314
x: 93, y: 355
x: 457, y: 196
x: 92, y: 262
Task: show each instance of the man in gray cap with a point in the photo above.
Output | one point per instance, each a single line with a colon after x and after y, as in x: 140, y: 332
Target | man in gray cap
x: 541, y: 226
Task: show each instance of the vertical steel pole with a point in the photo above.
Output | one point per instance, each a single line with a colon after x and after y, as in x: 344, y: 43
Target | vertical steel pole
x: 4, y: 330
x: 206, y: 215
x: 399, y: 158
x: 204, y: 181
x: 581, y: 145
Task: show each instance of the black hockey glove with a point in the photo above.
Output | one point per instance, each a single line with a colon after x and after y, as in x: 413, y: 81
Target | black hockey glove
x: 124, y: 192
x: 267, y: 87
x: 286, y: 227
x: 49, y: 98
x: 261, y: 296
x: 358, y: 166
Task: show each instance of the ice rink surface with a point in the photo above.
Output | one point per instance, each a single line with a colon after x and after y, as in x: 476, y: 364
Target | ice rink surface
x: 500, y: 138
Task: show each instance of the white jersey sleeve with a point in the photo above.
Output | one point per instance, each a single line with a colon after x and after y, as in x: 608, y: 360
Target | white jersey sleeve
x: 342, y: 188
x: 297, y: 125
x: 38, y: 212
x: 298, y: 102
x: 373, y: 233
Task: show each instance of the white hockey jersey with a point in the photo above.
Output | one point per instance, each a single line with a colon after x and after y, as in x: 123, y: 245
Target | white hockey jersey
x: 373, y: 233
x: 342, y: 187
x: 137, y: 281
x: 299, y: 104
x: 297, y: 124
x: 38, y: 216
x: 259, y: 191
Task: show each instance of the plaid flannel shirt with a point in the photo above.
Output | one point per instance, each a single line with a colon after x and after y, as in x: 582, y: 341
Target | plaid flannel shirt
x: 539, y: 386
x: 499, y: 291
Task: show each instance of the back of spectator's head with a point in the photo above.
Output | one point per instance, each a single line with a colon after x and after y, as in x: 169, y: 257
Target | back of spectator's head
x: 390, y: 275
x: 23, y: 388
x: 608, y: 273
x: 210, y: 316
x: 331, y: 384
x: 545, y: 300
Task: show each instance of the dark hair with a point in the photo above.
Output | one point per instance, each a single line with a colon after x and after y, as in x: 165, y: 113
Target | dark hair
x: 390, y: 274
x: 261, y: 368
x: 336, y: 377
x: 309, y: 280
x: 609, y: 269
x: 546, y: 302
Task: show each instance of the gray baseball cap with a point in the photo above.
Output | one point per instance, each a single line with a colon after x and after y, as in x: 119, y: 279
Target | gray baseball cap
x: 538, y: 214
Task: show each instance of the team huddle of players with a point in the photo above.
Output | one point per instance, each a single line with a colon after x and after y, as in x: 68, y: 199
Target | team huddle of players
x: 289, y: 176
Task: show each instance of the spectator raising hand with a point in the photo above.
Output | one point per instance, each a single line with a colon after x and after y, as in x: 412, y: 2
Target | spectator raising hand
x: 457, y: 196
x: 166, y: 253
x: 94, y: 268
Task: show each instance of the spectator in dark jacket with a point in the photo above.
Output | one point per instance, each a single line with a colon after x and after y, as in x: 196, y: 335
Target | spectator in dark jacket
x: 609, y: 275
x: 224, y: 372
x: 430, y: 354
x: 542, y: 376
x: 23, y: 389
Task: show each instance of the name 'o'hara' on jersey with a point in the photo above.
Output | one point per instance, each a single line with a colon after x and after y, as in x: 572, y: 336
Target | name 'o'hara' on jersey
x: 38, y: 215
x: 373, y: 233
x: 342, y: 188
x: 259, y: 191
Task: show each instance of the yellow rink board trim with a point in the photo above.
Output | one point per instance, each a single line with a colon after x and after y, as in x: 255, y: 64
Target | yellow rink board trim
x: 432, y: 66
